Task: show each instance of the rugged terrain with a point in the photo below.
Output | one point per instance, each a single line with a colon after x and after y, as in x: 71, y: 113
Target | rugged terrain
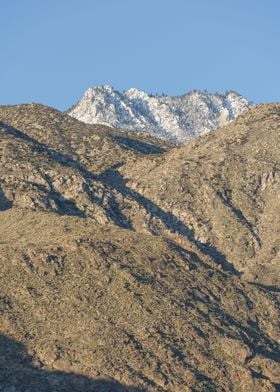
x: 224, y: 188
x: 177, y: 119
x: 129, y: 264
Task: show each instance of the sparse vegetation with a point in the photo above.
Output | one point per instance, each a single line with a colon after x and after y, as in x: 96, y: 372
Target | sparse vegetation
x: 128, y: 264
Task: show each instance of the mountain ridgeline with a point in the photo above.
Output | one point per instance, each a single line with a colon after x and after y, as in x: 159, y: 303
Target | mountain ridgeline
x: 129, y: 263
x: 176, y: 119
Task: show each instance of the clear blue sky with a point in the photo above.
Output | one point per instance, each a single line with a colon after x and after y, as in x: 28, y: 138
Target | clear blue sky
x: 52, y: 50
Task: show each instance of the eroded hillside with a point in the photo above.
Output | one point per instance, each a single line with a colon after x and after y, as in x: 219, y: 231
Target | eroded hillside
x: 130, y: 266
x: 224, y: 187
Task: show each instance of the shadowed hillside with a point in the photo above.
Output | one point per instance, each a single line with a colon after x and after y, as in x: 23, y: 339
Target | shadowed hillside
x: 225, y: 188
x: 127, y: 265
x: 17, y: 372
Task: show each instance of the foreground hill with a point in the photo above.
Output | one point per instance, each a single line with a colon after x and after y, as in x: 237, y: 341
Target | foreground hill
x: 109, y: 281
x: 135, y: 309
x: 177, y: 119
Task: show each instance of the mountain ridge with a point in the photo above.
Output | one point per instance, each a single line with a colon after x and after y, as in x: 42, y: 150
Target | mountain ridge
x: 173, y: 118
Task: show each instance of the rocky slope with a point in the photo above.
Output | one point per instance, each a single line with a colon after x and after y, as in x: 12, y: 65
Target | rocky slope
x: 52, y: 162
x: 120, y: 258
x: 133, y: 309
x: 224, y: 187
x: 176, y: 119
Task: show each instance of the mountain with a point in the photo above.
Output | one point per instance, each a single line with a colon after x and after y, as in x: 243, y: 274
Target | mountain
x: 224, y: 189
x: 52, y: 162
x: 123, y: 258
x: 176, y: 119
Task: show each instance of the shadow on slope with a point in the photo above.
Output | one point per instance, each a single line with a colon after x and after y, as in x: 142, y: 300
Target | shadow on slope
x: 5, y: 204
x: 114, y: 180
x: 239, y: 215
x: 264, y: 287
x: 17, y: 373
x: 67, y: 207
x: 137, y: 145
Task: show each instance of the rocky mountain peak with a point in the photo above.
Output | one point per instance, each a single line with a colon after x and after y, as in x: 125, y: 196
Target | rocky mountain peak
x: 173, y: 118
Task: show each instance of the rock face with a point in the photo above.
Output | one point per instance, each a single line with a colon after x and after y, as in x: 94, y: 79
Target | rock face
x: 128, y: 264
x: 177, y: 119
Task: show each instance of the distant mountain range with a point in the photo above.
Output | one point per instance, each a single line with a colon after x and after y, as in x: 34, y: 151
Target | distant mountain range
x: 173, y: 118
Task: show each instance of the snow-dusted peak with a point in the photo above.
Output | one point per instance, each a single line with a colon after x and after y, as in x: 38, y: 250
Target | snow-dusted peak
x: 106, y: 89
x: 134, y: 93
x: 174, y: 118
